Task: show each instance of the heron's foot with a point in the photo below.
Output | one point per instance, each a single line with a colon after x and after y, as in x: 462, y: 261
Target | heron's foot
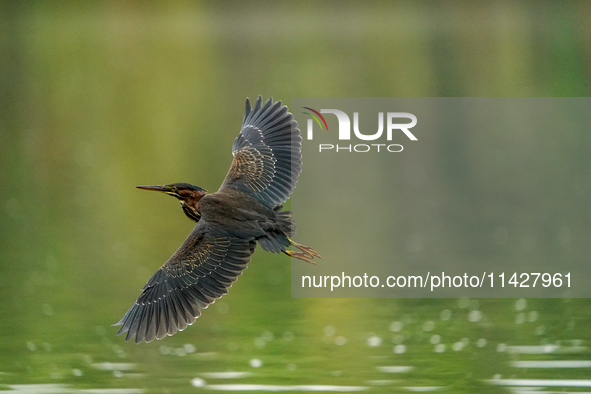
x: 302, y: 256
x: 311, y: 253
x: 307, y: 254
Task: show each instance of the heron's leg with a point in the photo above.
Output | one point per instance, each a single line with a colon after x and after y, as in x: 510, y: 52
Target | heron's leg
x: 311, y: 253
x: 302, y: 256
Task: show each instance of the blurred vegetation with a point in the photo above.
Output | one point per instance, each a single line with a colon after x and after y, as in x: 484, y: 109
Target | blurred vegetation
x: 97, y: 97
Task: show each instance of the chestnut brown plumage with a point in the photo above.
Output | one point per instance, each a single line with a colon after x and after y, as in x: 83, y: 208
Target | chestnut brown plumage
x: 245, y: 210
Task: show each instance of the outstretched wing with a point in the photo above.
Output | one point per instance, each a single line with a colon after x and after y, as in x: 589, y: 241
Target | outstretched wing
x: 198, y: 273
x: 267, y: 154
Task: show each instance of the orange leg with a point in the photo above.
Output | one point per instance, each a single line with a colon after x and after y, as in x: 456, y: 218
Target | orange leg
x: 302, y: 256
x: 306, y: 249
x: 307, y: 253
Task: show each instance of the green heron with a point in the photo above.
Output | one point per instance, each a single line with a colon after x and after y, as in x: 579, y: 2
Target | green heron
x: 246, y: 209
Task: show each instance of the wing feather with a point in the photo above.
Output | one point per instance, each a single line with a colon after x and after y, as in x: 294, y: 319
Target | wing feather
x: 267, y: 154
x: 199, y: 272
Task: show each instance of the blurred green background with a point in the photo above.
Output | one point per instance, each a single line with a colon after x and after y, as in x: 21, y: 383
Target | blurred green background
x: 97, y: 97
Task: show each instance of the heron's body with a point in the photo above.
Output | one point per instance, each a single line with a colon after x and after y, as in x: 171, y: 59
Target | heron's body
x: 245, y: 210
x: 243, y: 216
x: 235, y: 210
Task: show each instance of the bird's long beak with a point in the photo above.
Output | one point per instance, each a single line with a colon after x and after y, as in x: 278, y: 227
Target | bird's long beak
x: 162, y: 189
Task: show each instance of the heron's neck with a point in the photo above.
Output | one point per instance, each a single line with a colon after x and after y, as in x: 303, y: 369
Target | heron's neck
x: 191, y: 212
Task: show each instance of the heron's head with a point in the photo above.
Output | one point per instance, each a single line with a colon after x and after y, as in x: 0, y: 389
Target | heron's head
x: 189, y: 195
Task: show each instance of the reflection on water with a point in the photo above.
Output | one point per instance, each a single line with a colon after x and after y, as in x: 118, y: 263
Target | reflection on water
x: 552, y: 364
x: 445, y: 347
x: 269, y: 387
x: 536, y: 384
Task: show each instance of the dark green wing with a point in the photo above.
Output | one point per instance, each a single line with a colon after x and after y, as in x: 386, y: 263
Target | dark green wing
x: 198, y: 273
x: 267, y: 154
